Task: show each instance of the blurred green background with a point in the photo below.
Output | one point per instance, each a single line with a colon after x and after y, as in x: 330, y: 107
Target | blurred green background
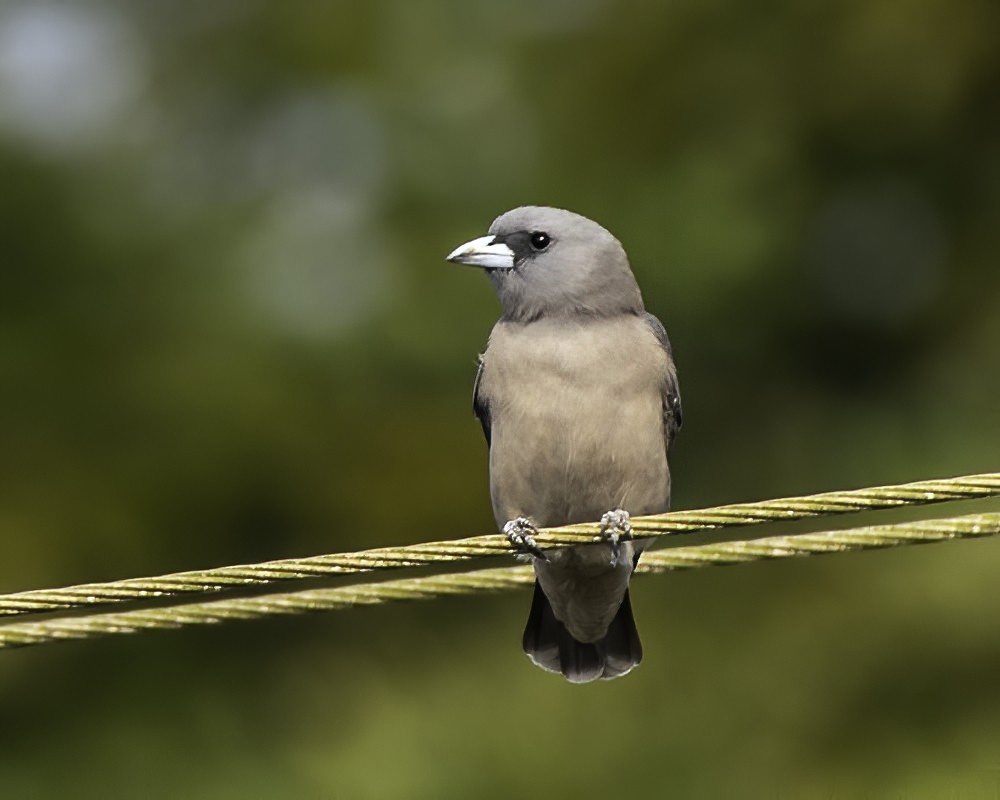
x: 227, y: 334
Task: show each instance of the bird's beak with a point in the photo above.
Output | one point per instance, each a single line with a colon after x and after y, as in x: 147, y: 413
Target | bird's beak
x: 486, y: 252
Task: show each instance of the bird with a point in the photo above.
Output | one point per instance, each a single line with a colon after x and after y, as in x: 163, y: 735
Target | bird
x: 578, y: 399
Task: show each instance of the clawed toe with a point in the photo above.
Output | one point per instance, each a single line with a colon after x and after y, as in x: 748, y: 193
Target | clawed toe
x: 616, y: 526
x: 519, y: 533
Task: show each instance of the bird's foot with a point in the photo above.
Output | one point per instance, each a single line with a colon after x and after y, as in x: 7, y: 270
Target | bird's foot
x: 519, y: 533
x: 616, y: 527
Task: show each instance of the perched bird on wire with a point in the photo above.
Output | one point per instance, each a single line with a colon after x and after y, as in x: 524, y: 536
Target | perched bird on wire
x: 577, y: 395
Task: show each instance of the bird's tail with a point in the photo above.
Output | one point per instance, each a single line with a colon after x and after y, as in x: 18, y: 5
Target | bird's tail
x: 551, y: 647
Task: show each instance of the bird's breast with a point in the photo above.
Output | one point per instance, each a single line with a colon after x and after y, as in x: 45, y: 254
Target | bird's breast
x: 576, y: 419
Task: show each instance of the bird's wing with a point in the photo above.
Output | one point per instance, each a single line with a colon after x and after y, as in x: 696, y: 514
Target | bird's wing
x: 672, y: 412
x: 480, y: 406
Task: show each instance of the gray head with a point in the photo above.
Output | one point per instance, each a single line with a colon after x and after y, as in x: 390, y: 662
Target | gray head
x: 550, y: 262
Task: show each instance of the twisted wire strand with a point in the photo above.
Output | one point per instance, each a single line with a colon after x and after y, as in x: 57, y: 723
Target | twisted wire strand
x: 23, y: 634
x: 675, y: 522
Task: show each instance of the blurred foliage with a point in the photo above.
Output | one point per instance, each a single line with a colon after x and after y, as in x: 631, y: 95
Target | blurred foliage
x: 227, y: 334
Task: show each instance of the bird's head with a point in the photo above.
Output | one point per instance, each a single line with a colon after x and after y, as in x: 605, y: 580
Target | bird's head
x: 550, y: 262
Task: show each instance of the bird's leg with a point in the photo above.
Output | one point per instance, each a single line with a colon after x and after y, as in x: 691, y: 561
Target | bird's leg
x: 519, y: 533
x: 615, y: 527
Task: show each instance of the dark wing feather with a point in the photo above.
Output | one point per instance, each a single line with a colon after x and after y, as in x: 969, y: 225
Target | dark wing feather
x: 672, y: 411
x: 479, y: 405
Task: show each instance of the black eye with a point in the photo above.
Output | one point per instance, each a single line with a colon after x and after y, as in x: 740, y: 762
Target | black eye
x: 540, y: 240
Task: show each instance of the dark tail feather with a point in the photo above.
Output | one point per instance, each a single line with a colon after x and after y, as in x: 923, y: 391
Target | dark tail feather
x: 550, y: 646
x: 622, y: 648
x: 541, y: 633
